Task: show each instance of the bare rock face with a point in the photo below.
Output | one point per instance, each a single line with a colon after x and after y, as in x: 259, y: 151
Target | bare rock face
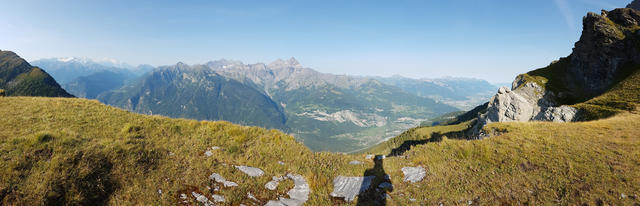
x: 529, y: 102
x: 607, y: 44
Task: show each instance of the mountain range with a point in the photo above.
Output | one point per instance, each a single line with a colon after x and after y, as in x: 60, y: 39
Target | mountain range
x: 327, y: 112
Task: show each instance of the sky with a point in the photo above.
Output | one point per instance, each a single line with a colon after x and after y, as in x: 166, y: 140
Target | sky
x: 488, y: 39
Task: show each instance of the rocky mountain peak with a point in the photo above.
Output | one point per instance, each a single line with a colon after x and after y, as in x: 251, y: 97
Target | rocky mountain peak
x: 181, y: 64
x: 279, y: 63
x: 608, y: 43
x: 223, y: 63
x: 635, y: 4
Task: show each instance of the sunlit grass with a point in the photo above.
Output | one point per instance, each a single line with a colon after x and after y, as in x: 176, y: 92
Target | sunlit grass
x: 79, y: 151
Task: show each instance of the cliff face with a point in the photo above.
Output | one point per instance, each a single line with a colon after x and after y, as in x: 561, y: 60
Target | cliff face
x: 609, y: 43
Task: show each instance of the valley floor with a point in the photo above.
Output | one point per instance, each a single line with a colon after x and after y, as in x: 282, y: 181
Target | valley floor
x: 77, y: 151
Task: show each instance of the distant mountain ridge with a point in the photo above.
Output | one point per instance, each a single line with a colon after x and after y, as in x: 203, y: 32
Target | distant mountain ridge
x: 197, y: 93
x: 19, y: 78
x: 84, y: 77
x: 326, y: 111
x: 463, y: 93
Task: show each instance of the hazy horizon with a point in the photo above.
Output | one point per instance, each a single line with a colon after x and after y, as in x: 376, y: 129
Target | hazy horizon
x: 411, y: 38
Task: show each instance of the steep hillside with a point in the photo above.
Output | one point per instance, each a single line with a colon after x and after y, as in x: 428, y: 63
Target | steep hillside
x: 197, y: 93
x: 19, y: 78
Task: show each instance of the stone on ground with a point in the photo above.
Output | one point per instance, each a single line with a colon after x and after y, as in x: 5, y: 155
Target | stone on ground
x: 349, y: 187
x: 219, y: 179
x: 297, y: 196
x: 202, y: 199
x: 413, y: 174
x: 218, y: 198
x: 251, y: 171
x: 273, y: 184
x: 355, y: 162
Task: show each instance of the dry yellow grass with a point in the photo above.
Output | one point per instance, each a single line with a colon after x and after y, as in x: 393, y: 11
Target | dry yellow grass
x: 55, y: 150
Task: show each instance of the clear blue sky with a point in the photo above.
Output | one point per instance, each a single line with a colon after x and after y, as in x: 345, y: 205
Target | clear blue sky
x: 488, y: 39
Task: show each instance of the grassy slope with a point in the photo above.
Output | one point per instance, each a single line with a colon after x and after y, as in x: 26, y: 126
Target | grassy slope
x: 585, y: 162
x: 52, y: 145
x: 19, y: 78
x: 37, y: 82
x: 539, y: 163
x: 91, y: 151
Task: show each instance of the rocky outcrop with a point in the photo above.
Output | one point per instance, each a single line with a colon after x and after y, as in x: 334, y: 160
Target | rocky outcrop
x: 528, y: 102
x: 609, y: 42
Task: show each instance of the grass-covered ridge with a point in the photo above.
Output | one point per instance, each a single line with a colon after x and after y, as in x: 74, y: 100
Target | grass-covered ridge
x: 19, y: 78
x: 58, y: 150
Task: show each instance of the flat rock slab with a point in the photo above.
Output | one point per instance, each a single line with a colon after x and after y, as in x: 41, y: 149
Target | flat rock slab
x: 355, y: 162
x: 349, y: 187
x: 251, y: 171
x: 218, y: 198
x: 297, y: 196
x: 413, y: 174
x: 219, y: 179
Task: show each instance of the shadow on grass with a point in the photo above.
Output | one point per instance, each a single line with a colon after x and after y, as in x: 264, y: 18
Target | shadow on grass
x: 435, y: 137
x: 376, y: 193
